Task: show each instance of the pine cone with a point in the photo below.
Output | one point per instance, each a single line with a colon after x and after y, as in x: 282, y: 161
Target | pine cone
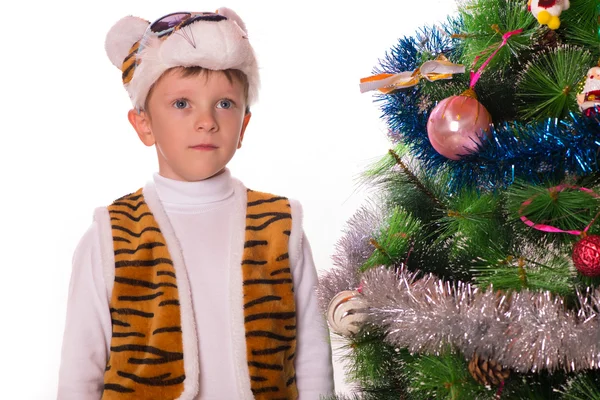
x: 487, y: 372
x: 549, y: 39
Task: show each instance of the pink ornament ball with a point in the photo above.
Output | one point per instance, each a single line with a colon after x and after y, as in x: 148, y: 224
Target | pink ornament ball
x: 457, y: 124
x: 586, y: 256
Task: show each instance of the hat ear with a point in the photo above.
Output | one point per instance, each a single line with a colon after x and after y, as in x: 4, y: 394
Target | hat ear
x: 232, y: 15
x: 124, y: 34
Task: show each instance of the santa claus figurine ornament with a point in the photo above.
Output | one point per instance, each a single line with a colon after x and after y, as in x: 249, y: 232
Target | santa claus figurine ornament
x: 590, y: 97
x: 548, y: 12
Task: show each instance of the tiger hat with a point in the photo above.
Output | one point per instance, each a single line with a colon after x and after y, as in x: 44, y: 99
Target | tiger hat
x: 213, y: 40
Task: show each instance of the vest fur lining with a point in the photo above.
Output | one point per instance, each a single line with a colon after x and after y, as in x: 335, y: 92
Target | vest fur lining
x: 188, y: 327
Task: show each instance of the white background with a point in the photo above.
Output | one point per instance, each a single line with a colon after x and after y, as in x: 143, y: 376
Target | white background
x: 67, y: 147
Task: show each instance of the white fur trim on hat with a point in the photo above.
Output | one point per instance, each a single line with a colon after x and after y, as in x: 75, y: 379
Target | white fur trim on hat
x: 215, y: 45
x: 232, y: 15
x: 122, y: 36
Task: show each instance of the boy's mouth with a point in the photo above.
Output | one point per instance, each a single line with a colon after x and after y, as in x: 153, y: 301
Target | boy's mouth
x: 205, y: 147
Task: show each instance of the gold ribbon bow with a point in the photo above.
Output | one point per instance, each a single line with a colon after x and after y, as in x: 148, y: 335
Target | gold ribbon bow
x: 433, y: 70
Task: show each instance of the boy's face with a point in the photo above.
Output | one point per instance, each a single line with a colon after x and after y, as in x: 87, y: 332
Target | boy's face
x: 197, y: 123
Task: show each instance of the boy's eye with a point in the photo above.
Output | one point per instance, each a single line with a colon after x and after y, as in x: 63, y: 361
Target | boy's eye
x: 180, y: 104
x: 225, y: 104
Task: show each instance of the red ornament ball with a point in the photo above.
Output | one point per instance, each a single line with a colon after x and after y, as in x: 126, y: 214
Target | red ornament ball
x: 586, y: 256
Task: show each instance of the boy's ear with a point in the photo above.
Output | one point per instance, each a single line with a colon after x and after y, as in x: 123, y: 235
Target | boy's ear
x: 244, y: 125
x: 141, y: 123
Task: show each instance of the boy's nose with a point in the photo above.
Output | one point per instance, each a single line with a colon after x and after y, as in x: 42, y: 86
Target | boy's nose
x: 206, y: 122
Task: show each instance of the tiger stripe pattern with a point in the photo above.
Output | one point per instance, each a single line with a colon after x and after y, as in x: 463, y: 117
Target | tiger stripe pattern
x: 146, y: 350
x: 269, y: 305
x: 129, y: 63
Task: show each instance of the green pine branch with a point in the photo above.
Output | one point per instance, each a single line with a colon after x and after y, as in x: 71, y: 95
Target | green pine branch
x: 376, y: 366
x: 580, y: 25
x: 485, y: 21
x: 383, y: 170
x: 380, y: 170
x: 393, y: 242
x: 413, y: 179
x: 582, y: 387
x: 405, y: 186
x: 545, y: 271
x: 569, y: 209
x: 443, y: 377
x: 471, y: 224
x: 549, y: 84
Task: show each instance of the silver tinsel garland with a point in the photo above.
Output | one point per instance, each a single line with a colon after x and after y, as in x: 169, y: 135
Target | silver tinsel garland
x: 523, y: 331
x: 352, y: 251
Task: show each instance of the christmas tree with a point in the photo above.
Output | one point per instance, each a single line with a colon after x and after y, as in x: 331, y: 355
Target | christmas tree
x: 474, y: 274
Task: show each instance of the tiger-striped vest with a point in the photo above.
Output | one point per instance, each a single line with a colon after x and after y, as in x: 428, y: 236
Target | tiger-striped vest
x: 147, y: 358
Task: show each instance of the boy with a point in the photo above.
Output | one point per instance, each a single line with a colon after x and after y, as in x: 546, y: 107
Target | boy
x: 193, y: 287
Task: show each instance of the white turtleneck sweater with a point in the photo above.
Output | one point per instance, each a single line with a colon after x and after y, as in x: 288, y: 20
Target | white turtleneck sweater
x: 201, y: 215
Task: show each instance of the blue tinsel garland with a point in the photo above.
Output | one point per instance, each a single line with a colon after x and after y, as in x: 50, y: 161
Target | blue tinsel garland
x: 533, y: 152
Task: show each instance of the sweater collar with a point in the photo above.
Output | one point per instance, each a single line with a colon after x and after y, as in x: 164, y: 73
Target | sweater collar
x: 171, y: 191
